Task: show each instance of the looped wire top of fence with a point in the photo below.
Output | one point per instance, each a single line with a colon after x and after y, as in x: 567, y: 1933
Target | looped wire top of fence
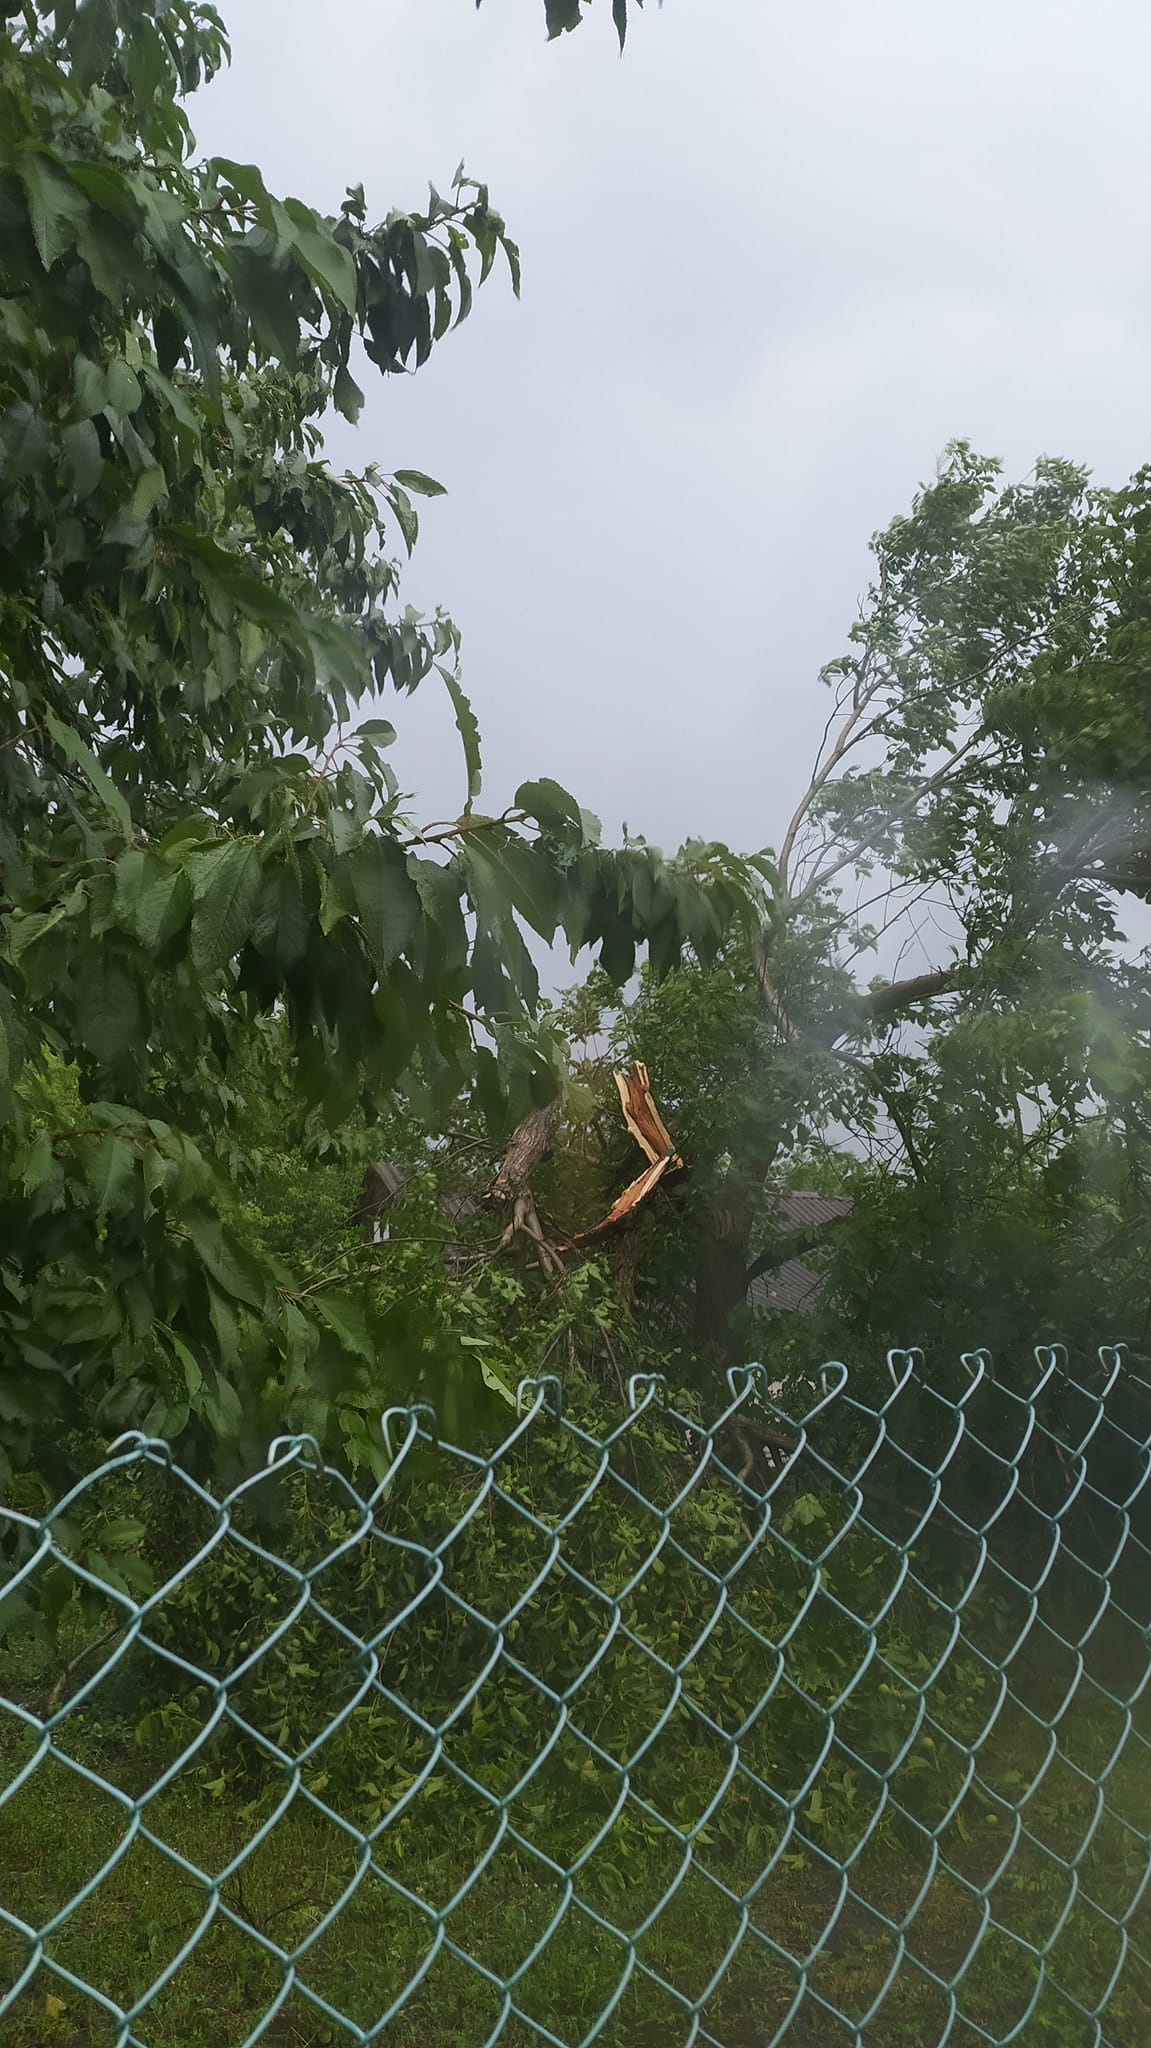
x: 821, y: 1718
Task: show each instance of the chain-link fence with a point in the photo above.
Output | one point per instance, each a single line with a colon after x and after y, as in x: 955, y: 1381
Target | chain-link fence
x: 820, y: 1721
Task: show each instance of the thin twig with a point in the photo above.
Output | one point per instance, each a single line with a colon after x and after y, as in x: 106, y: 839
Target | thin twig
x: 97, y: 1643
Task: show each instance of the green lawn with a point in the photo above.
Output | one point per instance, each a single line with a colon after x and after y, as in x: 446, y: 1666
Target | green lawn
x: 897, y: 1875
x: 57, y: 1830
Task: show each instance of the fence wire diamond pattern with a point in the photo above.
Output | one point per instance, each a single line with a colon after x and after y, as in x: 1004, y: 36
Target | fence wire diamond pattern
x: 823, y: 1720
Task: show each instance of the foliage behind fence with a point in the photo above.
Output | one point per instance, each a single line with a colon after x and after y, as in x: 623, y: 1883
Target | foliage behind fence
x: 811, y: 1728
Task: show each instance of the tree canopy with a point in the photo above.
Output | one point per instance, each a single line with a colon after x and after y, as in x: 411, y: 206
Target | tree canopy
x: 978, y: 819
x: 203, y: 841
x: 238, y: 974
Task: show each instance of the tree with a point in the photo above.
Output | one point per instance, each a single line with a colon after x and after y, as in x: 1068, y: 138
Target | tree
x: 209, y: 880
x: 979, y: 810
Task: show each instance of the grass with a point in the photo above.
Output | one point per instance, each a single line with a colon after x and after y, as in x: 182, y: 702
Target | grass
x: 58, y: 1829
x: 849, y: 1881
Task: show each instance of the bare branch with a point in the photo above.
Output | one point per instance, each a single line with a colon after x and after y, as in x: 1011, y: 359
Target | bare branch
x: 890, y: 1102
x: 865, y: 844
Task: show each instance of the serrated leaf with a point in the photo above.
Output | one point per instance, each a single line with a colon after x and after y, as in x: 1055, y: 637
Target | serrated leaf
x: 150, y: 490
x: 193, y: 1377
x: 438, y: 888
x: 24, y: 443
x: 326, y: 261
x: 157, y: 1170
x: 230, y: 1265
x: 516, y: 876
x: 561, y: 15
x: 385, y: 898
x: 92, y: 40
x: 110, y: 1169
x: 153, y: 900
x: 551, y: 807
x: 406, y: 516
x: 423, y: 486
x: 264, y: 292
x: 226, y: 890
x: 39, y: 1162
x: 109, y: 1013
x: 246, y: 179
x: 348, y: 397
x: 89, y: 389
x: 82, y: 459
x: 345, y: 1318
x: 469, y: 733
x: 57, y: 208
x: 221, y: 1407
x: 125, y: 392
x: 24, y: 927
x: 492, y: 1380
x: 72, y: 745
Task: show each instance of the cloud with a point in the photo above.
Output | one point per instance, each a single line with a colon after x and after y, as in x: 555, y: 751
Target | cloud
x: 773, y: 261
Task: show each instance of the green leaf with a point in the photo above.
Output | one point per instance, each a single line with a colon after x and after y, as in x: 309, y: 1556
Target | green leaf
x: 326, y: 261
x: 151, y: 489
x: 346, y: 1318
x: 92, y: 40
x: 469, y: 733
x: 406, y: 516
x: 157, y: 1170
x: 109, y: 1011
x: 25, y: 927
x: 193, y: 1377
x: 247, y: 180
x: 125, y: 1533
x: 24, y: 443
x: 39, y: 1163
x: 125, y: 392
x: 226, y: 890
x: 89, y: 389
x: 82, y: 460
x: 438, y: 887
x: 110, y: 1169
x: 72, y: 745
x: 348, y: 396
x: 423, y: 486
x: 264, y: 291
x: 222, y: 1409
x: 231, y: 1267
x: 153, y: 900
x: 552, y: 808
x: 515, y: 876
x: 57, y: 208
x: 384, y: 895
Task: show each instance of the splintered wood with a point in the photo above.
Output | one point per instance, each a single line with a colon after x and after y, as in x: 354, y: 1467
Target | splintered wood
x: 653, y: 1138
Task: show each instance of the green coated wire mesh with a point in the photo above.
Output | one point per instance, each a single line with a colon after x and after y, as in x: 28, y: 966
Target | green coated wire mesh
x: 821, y: 1719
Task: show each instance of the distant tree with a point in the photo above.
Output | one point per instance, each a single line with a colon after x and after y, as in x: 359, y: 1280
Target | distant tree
x: 981, y: 810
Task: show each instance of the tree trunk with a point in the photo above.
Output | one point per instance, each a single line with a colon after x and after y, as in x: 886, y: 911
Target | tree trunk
x: 528, y: 1147
x: 721, y: 1277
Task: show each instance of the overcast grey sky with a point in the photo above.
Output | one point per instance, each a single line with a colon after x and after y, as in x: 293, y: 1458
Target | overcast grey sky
x: 773, y: 260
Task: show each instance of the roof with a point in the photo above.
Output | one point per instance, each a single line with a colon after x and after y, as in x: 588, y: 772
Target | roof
x: 793, y: 1285
x: 800, y: 1209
